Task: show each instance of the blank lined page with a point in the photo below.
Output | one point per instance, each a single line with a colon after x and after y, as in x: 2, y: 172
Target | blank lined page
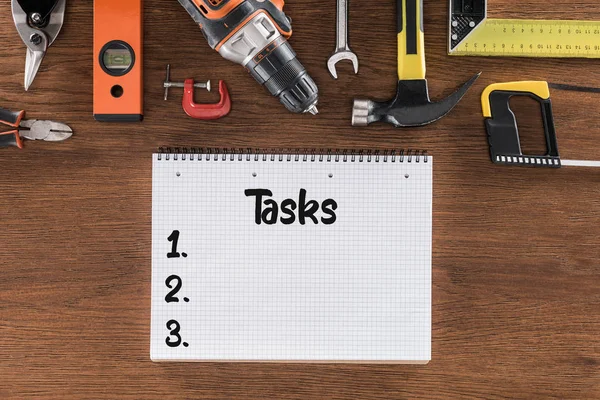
x: 291, y: 259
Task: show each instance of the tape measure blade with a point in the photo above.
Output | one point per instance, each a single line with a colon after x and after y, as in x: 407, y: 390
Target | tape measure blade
x: 532, y: 38
x: 580, y: 163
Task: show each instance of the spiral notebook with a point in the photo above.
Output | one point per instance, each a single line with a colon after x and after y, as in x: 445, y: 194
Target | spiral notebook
x: 291, y: 257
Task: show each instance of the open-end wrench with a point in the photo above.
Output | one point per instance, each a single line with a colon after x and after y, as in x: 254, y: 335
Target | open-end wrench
x: 342, y: 52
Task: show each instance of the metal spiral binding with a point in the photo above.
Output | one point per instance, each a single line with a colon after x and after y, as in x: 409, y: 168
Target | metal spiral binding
x: 289, y: 155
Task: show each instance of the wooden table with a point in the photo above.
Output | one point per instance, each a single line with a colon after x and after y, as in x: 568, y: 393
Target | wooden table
x: 516, y: 294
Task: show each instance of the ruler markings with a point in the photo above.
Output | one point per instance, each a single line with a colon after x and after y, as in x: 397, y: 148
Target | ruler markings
x: 533, y: 38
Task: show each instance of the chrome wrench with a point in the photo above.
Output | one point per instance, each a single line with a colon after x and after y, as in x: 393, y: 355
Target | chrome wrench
x: 342, y: 52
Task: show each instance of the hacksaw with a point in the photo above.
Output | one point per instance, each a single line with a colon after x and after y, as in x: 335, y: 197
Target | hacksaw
x: 503, y: 132
x: 472, y: 33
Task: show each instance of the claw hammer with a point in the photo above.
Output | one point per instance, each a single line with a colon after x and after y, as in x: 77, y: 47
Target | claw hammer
x: 411, y: 106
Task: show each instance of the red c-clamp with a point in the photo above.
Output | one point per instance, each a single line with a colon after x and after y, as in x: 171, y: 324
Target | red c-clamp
x: 195, y: 110
x: 205, y: 112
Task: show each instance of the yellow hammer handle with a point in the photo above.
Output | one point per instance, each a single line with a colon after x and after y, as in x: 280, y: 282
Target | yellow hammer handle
x: 411, y: 40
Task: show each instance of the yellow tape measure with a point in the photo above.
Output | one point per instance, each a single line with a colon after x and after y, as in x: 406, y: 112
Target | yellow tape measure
x: 473, y: 34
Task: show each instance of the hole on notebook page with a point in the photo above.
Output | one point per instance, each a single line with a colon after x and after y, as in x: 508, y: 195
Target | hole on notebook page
x: 178, y: 174
x: 528, y: 113
x: 254, y: 174
x: 331, y: 175
x: 407, y: 176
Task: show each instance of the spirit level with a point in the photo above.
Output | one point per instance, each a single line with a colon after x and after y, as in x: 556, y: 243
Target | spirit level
x: 472, y: 33
x: 118, y: 31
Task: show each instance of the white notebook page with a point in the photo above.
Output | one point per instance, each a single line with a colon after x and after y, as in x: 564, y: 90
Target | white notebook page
x: 356, y: 289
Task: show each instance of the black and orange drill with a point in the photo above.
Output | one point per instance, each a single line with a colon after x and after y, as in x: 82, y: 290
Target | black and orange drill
x: 118, y: 85
x: 254, y: 33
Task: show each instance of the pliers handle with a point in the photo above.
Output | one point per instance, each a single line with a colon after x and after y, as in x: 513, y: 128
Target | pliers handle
x: 13, y: 119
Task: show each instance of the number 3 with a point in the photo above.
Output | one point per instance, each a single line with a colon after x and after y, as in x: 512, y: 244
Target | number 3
x: 174, y: 331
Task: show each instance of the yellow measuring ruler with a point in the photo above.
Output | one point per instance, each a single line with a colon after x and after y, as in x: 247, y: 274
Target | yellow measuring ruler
x: 473, y: 34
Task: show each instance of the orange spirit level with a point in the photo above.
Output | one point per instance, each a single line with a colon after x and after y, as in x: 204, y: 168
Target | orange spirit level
x: 118, y: 31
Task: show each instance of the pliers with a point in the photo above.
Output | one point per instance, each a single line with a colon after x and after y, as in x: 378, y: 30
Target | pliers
x: 38, y: 23
x: 49, y: 131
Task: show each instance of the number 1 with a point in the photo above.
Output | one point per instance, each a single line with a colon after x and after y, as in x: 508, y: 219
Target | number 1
x: 174, y: 238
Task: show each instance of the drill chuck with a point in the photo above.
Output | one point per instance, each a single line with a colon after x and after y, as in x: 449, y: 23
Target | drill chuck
x: 284, y: 76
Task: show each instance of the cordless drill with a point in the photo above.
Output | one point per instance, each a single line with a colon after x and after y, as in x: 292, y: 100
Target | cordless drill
x: 254, y: 33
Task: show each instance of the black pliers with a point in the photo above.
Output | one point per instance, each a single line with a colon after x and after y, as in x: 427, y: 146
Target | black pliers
x: 49, y: 131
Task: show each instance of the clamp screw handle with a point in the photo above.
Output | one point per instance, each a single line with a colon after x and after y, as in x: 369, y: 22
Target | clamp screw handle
x: 168, y: 84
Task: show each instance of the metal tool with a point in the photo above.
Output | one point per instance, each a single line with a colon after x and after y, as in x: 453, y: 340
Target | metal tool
x: 412, y: 105
x: 168, y: 84
x: 342, y: 52
x: 472, y: 33
x: 195, y: 110
x: 38, y: 24
x: 503, y: 132
x: 254, y: 33
x: 49, y: 131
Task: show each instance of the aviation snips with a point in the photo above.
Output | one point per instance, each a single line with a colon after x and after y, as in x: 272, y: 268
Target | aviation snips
x: 38, y: 23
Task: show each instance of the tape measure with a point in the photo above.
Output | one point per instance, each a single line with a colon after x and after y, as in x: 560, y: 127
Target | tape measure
x: 473, y: 34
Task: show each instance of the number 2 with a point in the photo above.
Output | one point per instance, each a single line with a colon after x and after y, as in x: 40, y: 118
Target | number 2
x: 170, y: 297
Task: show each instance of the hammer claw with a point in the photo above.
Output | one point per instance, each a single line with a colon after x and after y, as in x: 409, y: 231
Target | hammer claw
x: 410, y: 108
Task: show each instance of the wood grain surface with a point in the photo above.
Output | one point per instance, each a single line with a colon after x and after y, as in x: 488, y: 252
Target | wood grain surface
x: 516, y: 276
